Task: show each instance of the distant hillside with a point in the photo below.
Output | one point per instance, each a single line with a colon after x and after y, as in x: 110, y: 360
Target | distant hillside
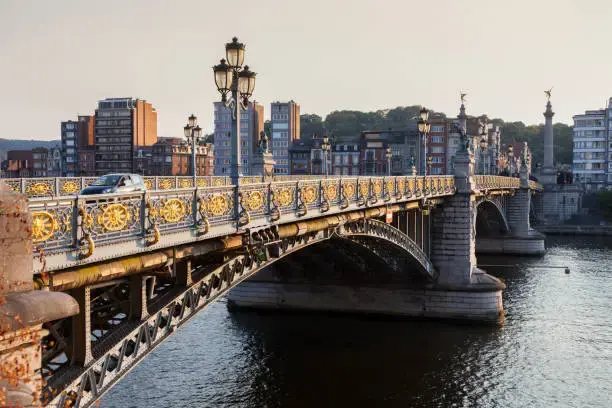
x: 19, y: 144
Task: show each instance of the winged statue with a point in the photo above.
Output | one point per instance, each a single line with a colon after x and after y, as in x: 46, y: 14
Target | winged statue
x: 548, y: 93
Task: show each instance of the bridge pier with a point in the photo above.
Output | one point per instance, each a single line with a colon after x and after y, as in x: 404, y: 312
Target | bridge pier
x: 521, y: 239
x: 464, y: 291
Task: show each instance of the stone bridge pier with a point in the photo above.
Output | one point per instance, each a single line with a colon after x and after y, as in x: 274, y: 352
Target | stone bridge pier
x: 518, y: 238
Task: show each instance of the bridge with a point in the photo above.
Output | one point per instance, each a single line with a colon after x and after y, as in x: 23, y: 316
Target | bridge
x: 114, y: 275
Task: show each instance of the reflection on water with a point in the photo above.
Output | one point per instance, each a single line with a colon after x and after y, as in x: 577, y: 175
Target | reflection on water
x: 555, y: 350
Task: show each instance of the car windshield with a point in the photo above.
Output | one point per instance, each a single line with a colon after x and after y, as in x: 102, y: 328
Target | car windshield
x: 109, y: 180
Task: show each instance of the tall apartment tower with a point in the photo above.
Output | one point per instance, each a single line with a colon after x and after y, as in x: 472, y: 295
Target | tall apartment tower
x: 76, y: 136
x: 592, y: 161
x: 122, y: 126
x: 70, y: 158
x: 285, y: 130
x: 251, y: 124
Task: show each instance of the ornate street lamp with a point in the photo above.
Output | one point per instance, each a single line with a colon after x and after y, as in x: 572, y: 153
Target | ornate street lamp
x: 510, y: 154
x: 424, y: 127
x: 483, y: 145
x: 325, y: 147
x: 388, y: 157
x: 193, y: 134
x: 230, y: 76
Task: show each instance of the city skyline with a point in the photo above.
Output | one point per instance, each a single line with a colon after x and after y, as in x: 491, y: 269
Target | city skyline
x: 62, y: 58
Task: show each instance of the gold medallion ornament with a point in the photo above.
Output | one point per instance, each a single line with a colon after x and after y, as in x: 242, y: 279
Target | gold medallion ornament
x: 217, y: 205
x: 114, y: 218
x: 164, y: 184
x: 43, y: 226
x: 70, y: 187
x: 184, y: 183
x: 148, y: 184
x: 349, y: 191
x: 39, y: 189
x: 309, y: 194
x: 400, y: 185
x: 377, y: 187
x: 218, y: 182
x: 284, y: 197
x: 363, y: 189
x: 173, y: 210
x: 202, y: 183
x: 331, y: 192
x: 14, y: 186
x: 419, y: 184
x: 390, y: 186
x: 254, y: 200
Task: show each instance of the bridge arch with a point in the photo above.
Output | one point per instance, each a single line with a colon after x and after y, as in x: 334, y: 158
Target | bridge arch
x: 490, y: 218
x: 109, y: 366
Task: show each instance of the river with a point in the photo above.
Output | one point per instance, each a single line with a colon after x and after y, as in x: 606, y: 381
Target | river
x: 554, y: 350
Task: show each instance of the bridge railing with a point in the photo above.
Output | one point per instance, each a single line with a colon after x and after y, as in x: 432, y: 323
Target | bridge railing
x: 64, y: 186
x: 490, y: 182
x: 79, y: 226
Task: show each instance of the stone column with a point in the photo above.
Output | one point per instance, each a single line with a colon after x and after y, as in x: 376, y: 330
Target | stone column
x: 549, y: 173
x: 23, y: 310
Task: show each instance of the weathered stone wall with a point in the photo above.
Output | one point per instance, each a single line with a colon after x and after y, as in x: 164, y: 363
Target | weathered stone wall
x: 385, y: 300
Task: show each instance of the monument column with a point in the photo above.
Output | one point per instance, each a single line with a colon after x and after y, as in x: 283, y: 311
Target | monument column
x: 549, y: 173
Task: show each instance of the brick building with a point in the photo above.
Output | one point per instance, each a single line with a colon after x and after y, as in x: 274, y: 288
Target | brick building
x: 171, y: 156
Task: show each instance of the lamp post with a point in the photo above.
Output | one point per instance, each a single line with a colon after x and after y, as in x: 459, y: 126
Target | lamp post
x: 230, y: 76
x: 325, y: 147
x: 429, y: 162
x: 193, y: 134
x: 483, y: 149
x: 388, y: 157
x: 510, y: 155
x: 424, y: 127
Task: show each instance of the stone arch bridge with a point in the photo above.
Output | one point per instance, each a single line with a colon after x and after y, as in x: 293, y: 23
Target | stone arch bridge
x: 126, y: 270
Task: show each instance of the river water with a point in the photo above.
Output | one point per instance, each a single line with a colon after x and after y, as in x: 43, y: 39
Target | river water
x: 554, y: 350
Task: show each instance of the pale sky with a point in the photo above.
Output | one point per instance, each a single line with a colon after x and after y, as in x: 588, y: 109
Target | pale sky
x: 59, y: 57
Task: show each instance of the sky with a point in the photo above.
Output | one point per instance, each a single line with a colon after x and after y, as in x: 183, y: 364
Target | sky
x: 58, y: 58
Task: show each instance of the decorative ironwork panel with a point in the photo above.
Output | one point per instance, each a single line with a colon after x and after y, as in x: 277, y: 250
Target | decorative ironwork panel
x: 166, y: 183
x: 255, y: 199
x: 172, y: 210
x: 217, y: 181
x: 53, y: 223
x: 109, y: 217
x: 310, y: 194
x: 39, y: 187
x: 377, y: 187
x: 390, y: 186
x: 218, y: 204
x: 69, y: 186
x: 364, y: 188
x: 331, y: 189
x: 184, y: 182
x: 13, y: 183
x: 349, y: 189
x: 284, y: 196
x: 149, y: 182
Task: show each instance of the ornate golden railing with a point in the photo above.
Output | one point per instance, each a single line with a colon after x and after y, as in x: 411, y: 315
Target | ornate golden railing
x: 67, y: 186
x: 501, y: 182
x: 77, y: 227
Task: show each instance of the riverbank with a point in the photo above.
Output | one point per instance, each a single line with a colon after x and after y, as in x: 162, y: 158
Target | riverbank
x: 605, y: 230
